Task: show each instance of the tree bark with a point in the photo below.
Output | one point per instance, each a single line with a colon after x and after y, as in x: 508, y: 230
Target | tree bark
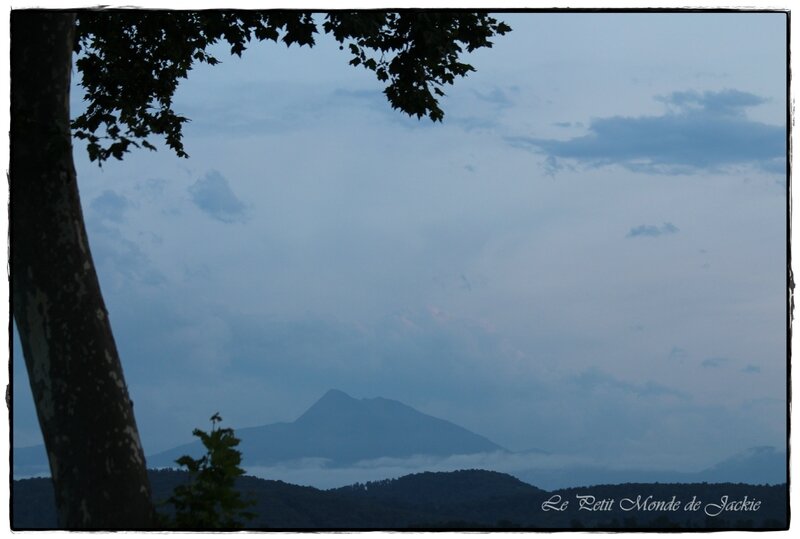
x: 82, y: 402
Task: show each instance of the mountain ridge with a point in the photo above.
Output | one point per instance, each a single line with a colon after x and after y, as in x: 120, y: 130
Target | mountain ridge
x: 340, y: 430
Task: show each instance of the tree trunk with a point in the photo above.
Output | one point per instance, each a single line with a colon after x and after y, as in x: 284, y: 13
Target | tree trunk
x: 84, y: 411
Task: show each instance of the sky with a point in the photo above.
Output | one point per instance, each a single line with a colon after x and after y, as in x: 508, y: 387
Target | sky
x: 586, y: 257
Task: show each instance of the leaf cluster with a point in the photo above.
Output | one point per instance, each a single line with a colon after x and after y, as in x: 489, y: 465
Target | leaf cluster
x: 416, y: 52
x: 131, y: 62
x: 209, y: 500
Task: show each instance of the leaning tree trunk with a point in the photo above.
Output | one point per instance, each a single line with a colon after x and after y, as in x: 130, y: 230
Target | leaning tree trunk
x: 84, y: 411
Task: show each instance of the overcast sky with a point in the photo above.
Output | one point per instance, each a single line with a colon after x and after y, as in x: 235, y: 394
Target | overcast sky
x: 586, y: 257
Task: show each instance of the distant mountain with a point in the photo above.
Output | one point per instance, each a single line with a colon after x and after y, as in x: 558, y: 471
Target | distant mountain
x: 756, y: 466
x: 464, y: 499
x: 342, y: 430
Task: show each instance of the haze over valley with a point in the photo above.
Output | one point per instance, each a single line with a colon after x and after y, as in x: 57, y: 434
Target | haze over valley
x: 341, y: 440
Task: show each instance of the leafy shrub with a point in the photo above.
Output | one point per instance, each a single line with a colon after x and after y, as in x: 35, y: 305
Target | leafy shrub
x: 209, y: 500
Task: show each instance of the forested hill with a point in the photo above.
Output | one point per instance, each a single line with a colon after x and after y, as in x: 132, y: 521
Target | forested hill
x: 469, y: 499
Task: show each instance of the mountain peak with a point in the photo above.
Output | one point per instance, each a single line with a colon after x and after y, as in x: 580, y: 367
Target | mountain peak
x: 331, y: 405
x: 343, y: 430
x: 335, y: 395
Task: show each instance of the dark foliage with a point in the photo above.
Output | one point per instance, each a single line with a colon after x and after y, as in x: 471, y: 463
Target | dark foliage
x: 209, y: 499
x: 131, y: 62
x: 471, y: 499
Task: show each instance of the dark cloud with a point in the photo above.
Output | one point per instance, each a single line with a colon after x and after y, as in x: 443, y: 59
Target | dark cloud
x: 752, y: 369
x: 213, y: 195
x: 700, y: 131
x: 652, y: 231
x: 110, y: 206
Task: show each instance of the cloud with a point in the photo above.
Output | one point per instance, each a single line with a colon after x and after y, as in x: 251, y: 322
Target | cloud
x: 110, y: 206
x: 724, y: 103
x: 594, y: 379
x: 553, y: 166
x: 496, y: 97
x: 213, y: 195
x: 652, y: 231
x: 374, y: 102
x: 715, y: 362
x: 751, y: 369
x: 474, y: 123
x: 371, y: 98
x: 700, y: 131
x: 387, y: 353
x: 151, y: 189
x: 315, y: 472
x: 119, y: 260
x: 678, y: 353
